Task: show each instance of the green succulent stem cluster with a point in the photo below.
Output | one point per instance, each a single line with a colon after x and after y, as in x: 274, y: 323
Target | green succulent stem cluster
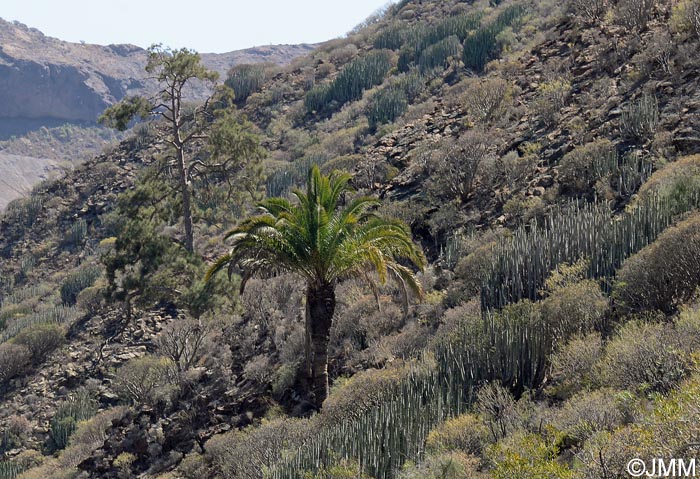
x: 359, y: 75
x: 522, y: 263
x: 508, y: 343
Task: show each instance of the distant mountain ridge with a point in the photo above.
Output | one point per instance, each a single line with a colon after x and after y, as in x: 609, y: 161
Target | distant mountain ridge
x: 45, y: 81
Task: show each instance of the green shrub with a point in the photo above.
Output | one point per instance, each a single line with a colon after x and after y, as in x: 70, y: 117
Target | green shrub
x: 676, y: 181
x: 41, y: 339
x: 146, y: 380
x: 24, y: 211
x: 526, y: 456
x: 664, y: 274
x: 123, y: 462
x: 248, y: 452
x: 685, y: 17
x: 448, y: 465
x: 586, y: 164
x: 362, y: 391
x: 644, y: 358
x: 14, y: 360
x: 356, y: 77
x: 487, y: 99
x: 472, y: 270
x: 78, y: 407
x: 608, y: 451
x: 391, y: 37
x: 344, y: 469
x: 551, y: 98
x: 524, y: 210
x: 77, y: 281
x: 246, y: 79
x: 640, y: 119
x: 573, y: 364
x: 15, y: 433
x: 572, y: 309
x: 386, y: 106
x: 466, y: 433
x: 661, y: 431
x: 437, y: 55
x: 89, y: 299
x: 482, y: 46
x: 89, y: 435
x: 76, y: 234
x: 92, y: 430
x: 687, y: 326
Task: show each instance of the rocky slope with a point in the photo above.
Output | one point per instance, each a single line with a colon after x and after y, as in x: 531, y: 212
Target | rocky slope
x: 46, y: 83
x: 20, y: 173
x: 598, y: 72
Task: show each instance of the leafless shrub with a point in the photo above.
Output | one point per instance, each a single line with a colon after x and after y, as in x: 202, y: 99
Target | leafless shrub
x: 588, y: 413
x: 185, y: 342
x: 456, y: 165
x: 661, y: 51
x: 635, y: 13
x: 589, y: 11
x: 497, y: 407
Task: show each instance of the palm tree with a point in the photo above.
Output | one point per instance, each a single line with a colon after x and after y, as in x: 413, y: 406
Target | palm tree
x: 323, y: 241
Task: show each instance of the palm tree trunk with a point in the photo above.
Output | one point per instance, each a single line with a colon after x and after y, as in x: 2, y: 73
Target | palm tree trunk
x: 320, y: 303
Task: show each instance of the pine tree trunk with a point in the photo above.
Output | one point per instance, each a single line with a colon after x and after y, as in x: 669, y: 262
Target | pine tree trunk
x: 320, y: 300
x: 186, y: 201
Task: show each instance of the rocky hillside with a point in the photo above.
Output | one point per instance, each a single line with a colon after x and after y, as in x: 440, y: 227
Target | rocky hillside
x: 53, y: 91
x: 46, y: 82
x: 21, y: 173
x: 545, y: 158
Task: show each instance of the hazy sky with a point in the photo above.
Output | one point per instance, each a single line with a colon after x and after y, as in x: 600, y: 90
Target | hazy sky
x: 205, y: 25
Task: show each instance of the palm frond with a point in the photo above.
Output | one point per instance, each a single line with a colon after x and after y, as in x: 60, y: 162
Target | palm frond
x: 322, y: 242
